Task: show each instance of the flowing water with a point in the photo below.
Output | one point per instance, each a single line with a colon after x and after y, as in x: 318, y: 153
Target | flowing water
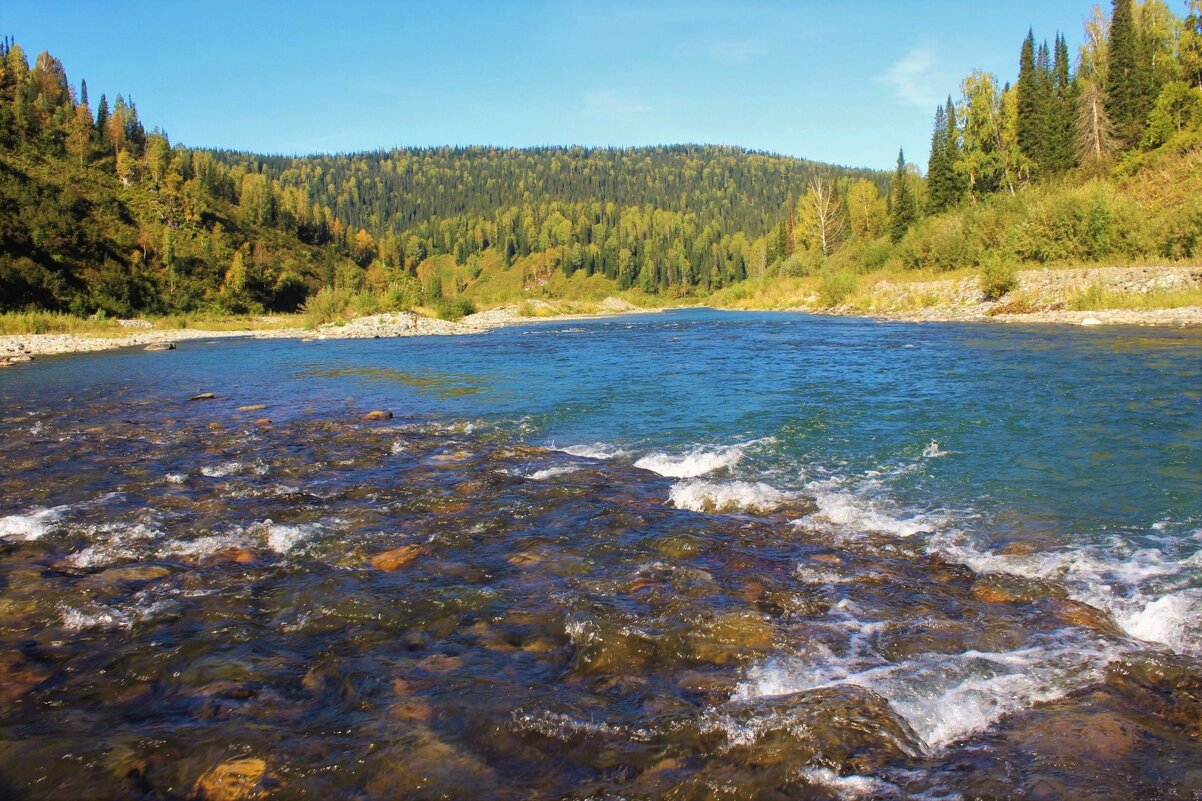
x: 691, y: 555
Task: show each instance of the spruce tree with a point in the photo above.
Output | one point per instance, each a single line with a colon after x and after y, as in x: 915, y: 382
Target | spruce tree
x: 1029, y: 122
x: 937, y: 166
x: 1125, y: 82
x: 956, y: 183
x: 903, y: 211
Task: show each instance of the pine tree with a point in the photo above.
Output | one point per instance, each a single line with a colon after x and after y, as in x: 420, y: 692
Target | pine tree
x: 903, y: 211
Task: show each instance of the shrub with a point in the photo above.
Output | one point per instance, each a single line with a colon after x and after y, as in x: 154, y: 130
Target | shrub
x: 401, y: 295
x: 454, y: 309
x: 998, y: 277
x: 326, y: 306
x: 837, y: 286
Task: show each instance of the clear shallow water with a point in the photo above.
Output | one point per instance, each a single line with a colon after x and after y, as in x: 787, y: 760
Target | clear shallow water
x: 777, y: 553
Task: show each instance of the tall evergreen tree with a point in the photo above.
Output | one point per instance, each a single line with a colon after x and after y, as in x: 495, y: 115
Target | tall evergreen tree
x: 1065, y: 101
x: 1029, y: 122
x: 1125, y: 82
x: 903, y: 211
x: 938, y: 169
x: 956, y: 185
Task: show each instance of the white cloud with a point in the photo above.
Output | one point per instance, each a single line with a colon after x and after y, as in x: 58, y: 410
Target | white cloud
x: 604, y: 103
x: 916, y: 78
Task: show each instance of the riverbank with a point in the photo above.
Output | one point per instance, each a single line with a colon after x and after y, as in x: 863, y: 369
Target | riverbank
x: 1134, y: 296
x: 19, y: 347
x: 1148, y: 296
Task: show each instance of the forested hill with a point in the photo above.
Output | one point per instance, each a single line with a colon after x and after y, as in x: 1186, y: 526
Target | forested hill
x: 98, y: 213
x: 667, y: 217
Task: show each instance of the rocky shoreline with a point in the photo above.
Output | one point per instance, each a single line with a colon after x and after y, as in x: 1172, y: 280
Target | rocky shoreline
x: 1040, y: 297
x: 17, y: 348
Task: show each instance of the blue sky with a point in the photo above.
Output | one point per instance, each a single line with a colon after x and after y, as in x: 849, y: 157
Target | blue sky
x: 846, y: 82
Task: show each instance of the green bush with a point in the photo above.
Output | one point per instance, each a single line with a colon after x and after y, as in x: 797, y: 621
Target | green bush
x: 401, y: 295
x: 326, y: 306
x: 837, y: 286
x: 454, y: 309
x: 998, y: 277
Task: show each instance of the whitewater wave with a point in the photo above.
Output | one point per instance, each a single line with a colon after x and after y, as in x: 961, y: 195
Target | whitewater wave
x: 1153, y: 594
x: 597, y: 450
x: 943, y: 697
x: 696, y: 462
x: 844, y: 511
x: 32, y: 525
x: 550, y: 472
x: 728, y: 496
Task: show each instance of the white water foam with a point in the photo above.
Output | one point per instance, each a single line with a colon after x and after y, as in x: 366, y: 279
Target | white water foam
x: 843, y: 511
x: 1153, y: 595
x: 728, y: 496
x: 932, y: 450
x: 849, y: 788
x: 204, y: 546
x: 696, y: 462
x: 597, y: 450
x: 550, y: 472
x: 32, y: 525
x: 284, y: 539
x: 944, y: 697
x: 113, y: 542
x: 233, y: 468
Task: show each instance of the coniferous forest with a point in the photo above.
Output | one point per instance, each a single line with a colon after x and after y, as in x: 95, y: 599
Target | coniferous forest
x: 1083, y: 158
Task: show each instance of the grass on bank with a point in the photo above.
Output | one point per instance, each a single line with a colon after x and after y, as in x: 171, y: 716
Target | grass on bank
x: 49, y: 322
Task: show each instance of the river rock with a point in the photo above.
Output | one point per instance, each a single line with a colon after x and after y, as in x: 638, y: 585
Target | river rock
x: 160, y: 346
x: 132, y: 574
x: 1076, y: 613
x: 1091, y: 321
x: 20, y: 358
x: 732, y: 637
x: 203, y: 396
x: 1003, y: 588
x: 239, y: 779
x: 396, y: 558
x: 378, y: 414
x: 18, y: 677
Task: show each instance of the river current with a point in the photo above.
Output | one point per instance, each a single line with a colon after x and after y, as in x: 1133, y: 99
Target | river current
x: 688, y: 555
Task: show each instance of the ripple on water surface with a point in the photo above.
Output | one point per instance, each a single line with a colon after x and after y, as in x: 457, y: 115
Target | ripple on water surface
x: 334, y: 608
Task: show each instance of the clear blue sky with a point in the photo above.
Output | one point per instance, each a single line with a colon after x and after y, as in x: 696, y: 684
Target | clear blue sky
x: 846, y: 82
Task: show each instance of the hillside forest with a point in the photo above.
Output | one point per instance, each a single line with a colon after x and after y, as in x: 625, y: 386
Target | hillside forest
x: 1086, y: 158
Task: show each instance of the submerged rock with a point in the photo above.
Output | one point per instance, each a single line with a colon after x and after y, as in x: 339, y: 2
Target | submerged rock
x: 378, y: 414
x: 396, y: 558
x: 238, y: 779
x: 203, y: 396
x: 160, y: 346
x: 1003, y: 588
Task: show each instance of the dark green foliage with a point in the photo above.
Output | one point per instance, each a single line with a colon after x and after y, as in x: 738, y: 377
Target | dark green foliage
x: 903, y: 207
x: 1127, y: 88
x: 98, y: 215
x: 685, y: 212
x: 944, y: 185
